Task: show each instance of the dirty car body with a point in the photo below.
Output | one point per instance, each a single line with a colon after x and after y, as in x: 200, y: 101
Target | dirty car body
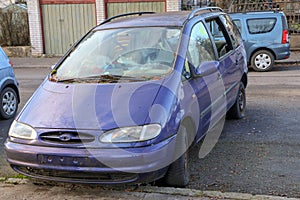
x: 9, y: 92
x: 127, y: 101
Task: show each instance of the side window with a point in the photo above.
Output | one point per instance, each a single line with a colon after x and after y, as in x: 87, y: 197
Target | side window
x: 257, y: 26
x: 238, y: 23
x: 200, y: 47
x: 232, y: 30
x: 221, y: 38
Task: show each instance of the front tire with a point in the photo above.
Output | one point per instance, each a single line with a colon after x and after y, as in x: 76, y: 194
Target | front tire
x: 262, y: 61
x: 8, y: 103
x: 178, y: 174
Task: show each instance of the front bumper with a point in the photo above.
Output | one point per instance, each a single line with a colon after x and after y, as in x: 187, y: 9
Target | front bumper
x: 88, y: 165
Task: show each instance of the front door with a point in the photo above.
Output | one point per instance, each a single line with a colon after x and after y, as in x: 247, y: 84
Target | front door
x: 204, y: 91
x: 226, y: 41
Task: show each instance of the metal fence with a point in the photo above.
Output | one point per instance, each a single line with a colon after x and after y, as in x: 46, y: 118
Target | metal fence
x: 291, y: 8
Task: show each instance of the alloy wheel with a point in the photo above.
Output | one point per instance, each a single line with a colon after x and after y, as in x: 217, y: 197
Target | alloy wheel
x: 9, y: 103
x: 262, y: 61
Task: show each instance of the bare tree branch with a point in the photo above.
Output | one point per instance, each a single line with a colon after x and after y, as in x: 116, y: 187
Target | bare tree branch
x: 4, y: 3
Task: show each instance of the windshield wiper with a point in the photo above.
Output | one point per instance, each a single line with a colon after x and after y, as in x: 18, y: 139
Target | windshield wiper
x: 102, y: 78
x: 120, y: 77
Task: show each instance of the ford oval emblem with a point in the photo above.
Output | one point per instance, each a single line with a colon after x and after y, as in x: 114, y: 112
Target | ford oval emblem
x: 65, y: 137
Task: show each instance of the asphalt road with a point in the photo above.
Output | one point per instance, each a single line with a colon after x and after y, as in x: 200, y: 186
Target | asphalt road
x: 29, y: 79
x: 259, y: 154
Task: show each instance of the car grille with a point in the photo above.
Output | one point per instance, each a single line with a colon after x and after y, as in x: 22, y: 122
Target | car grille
x: 76, y: 176
x: 67, y: 137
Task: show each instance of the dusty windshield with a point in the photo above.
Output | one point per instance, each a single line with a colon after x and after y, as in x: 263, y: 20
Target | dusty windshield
x: 133, y: 54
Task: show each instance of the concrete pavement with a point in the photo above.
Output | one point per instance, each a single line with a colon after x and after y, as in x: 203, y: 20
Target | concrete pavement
x: 14, y: 188
x: 49, y: 61
x: 293, y: 59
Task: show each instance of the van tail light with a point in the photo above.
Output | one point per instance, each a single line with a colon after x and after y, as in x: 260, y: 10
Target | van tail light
x: 285, y: 37
x: 11, y: 63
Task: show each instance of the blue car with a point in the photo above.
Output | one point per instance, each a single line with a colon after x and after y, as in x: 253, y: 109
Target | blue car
x: 128, y: 100
x: 9, y: 92
x: 266, y: 37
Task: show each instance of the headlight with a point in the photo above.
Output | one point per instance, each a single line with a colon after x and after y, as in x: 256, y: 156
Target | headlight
x: 131, y: 134
x: 23, y: 131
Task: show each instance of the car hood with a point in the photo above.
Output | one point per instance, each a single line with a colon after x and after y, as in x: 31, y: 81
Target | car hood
x: 90, y: 106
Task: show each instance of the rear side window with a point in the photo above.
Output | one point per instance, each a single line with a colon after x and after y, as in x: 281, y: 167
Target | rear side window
x: 284, y: 22
x: 256, y: 26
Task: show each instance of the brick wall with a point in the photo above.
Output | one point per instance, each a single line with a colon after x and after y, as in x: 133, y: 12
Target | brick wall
x: 35, y: 27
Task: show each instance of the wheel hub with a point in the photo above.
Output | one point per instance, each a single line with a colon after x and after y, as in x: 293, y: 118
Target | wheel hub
x: 9, y: 103
x: 262, y: 61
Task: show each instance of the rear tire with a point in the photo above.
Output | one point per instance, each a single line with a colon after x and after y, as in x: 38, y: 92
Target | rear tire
x: 237, y: 111
x: 178, y: 174
x: 262, y: 61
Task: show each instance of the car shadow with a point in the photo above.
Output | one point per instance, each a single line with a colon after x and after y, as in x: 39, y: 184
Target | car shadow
x: 280, y: 67
x: 286, y: 68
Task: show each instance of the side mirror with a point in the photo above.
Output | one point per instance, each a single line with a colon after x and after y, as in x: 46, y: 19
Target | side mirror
x: 207, y: 68
x: 53, y: 70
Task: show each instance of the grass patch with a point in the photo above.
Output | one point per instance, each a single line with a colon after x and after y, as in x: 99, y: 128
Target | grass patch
x: 20, y: 176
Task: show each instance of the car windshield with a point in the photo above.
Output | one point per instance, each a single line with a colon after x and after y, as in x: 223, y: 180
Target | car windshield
x: 128, y: 54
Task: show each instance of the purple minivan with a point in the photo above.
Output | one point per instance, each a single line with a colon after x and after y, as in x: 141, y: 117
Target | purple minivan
x: 128, y: 100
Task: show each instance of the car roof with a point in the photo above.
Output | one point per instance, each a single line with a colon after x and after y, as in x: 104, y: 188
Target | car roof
x: 257, y: 14
x: 175, y: 19
x: 158, y: 19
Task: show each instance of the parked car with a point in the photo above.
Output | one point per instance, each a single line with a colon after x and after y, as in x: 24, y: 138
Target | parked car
x: 266, y: 37
x: 127, y: 101
x: 9, y: 93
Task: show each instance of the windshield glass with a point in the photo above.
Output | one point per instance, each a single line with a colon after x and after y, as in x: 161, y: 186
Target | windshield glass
x: 133, y: 54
